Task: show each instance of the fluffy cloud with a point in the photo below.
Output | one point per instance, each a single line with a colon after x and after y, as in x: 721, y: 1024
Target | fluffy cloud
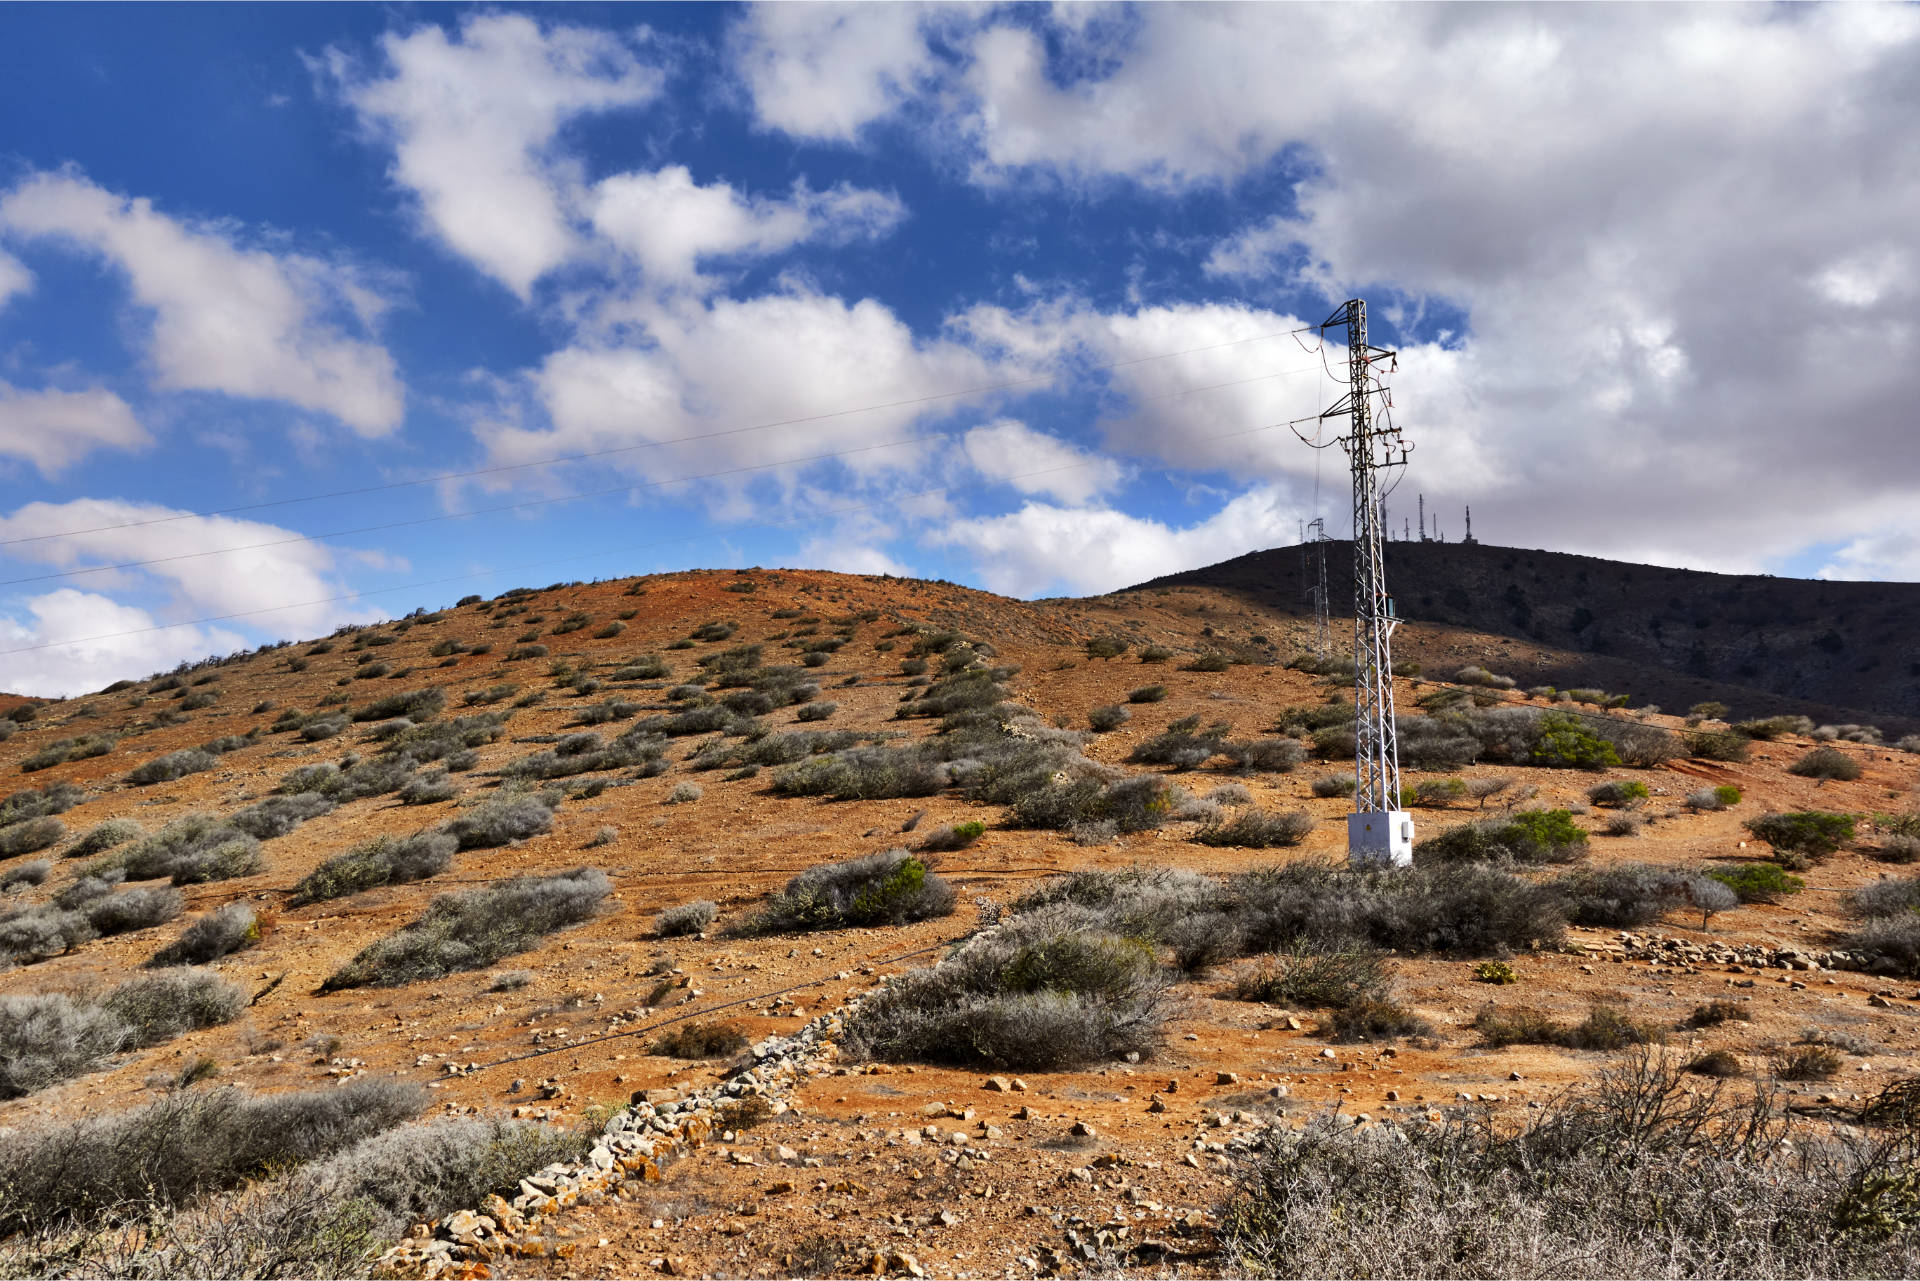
x: 848, y: 558
x: 1043, y: 547
x: 1680, y: 238
x: 53, y: 429
x: 811, y: 356
x: 670, y: 224
x: 52, y: 650
x: 226, y: 318
x: 471, y: 120
x: 14, y: 277
x: 1035, y: 463
x: 827, y: 70
x: 286, y: 578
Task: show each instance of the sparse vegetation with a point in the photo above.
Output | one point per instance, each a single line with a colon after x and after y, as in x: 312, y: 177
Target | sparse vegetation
x: 1826, y: 762
x: 219, y: 933
x: 502, y: 819
x: 1147, y: 694
x: 385, y: 860
x: 1319, y: 979
x: 191, y: 1143
x: 30, y: 835
x: 104, y: 836
x: 189, y: 851
x: 878, y: 889
x: 473, y: 929
x: 1258, y: 830
x: 1331, y: 785
x: 1606, y: 1027
x: 1534, y: 836
x: 1107, y: 718
x: 686, y: 918
x: 695, y: 1040
x: 1802, y: 835
x: 172, y: 766
x: 1045, y: 992
x: 45, y: 1039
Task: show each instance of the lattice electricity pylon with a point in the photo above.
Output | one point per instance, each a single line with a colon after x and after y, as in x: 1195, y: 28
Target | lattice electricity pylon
x: 1317, y: 591
x: 1379, y: 832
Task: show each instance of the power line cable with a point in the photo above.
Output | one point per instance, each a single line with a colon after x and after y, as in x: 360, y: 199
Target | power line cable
x: 529, y: 503
x: 442, y: 477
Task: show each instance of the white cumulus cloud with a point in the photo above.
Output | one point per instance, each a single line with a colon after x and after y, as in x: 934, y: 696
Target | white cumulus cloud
x: 14, y: 277
x: 52, y: 429
x: 276, y: 587
x: 1677, y: 239
x: 225, y: 317
x: 671, y: 224
x: 471, y: 120
x: 1085, y: 549
x: 70, y: 642
x: 1034, y: 462
x: 827, y: 70
x: 811, y: 356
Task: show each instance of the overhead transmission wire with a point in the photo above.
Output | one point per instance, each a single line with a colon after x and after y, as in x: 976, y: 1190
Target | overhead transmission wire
x: 442, y: 477
x: 889, y: 500
x: 526, y: 504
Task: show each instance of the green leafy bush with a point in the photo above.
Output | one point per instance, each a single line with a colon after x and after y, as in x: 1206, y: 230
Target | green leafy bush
x: 1533, y: 836
x: 1802, y: 834
x: 1565, y: 743
x: 1758, y: 882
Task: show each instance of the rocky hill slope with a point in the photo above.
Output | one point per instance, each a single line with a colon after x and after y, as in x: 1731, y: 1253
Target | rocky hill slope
x: 1836, y: 651
x: 436, y: 852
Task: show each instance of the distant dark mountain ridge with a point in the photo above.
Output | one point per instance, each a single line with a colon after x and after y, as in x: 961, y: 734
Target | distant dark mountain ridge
x: 1835, y: 650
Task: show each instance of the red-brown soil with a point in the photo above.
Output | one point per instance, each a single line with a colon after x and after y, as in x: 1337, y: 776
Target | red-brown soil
x: 872, y: 1187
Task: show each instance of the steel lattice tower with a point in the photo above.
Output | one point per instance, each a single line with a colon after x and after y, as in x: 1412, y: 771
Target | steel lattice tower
x: 1379, y: 832
x: 1322, y: 624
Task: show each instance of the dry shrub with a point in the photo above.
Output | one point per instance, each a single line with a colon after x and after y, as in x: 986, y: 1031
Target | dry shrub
x: 472, y: 929
x: 892, y: 888
x: 700, y: 1041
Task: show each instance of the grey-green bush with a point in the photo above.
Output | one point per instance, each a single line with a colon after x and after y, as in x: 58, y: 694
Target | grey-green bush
x: 49, y: 1038
x: 1046, y: 992
x: 184, y: 1146
x: 104, y: 835
x: 30, y: 836
x: 219, y: 933
x: 385, y: 860
x: 472, y: 929
x: 1258, y: 830
x: 159, y: 1007
x: 892, y: 888
x: 685, y: 918
x: 501, y: 819
x: 278, y: 815
x: 190, y: 850
x: 173, y: 765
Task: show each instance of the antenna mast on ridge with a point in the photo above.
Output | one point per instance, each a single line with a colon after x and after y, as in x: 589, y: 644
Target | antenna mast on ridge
x: 1379, y: 832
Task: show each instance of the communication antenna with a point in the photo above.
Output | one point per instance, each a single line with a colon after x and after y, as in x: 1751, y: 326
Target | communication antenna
x: 1322, y: 622
x: 1379, y: 832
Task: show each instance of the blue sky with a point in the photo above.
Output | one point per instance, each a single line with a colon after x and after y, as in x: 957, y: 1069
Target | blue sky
x: 995, y: 294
